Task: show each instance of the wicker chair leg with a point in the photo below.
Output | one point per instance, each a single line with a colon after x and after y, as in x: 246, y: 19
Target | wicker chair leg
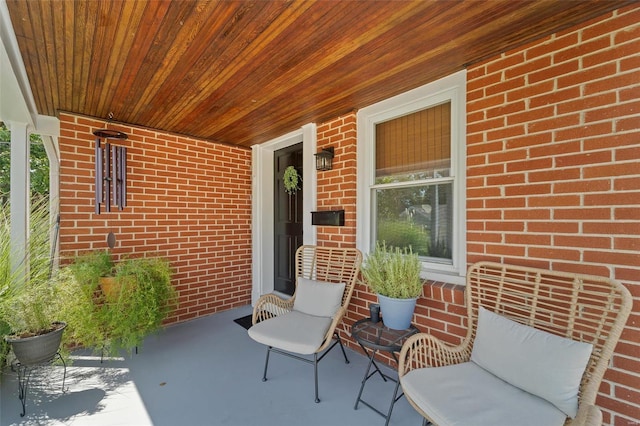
x: 266, y: 364
x: 315, y: 372
x: 346, y: 360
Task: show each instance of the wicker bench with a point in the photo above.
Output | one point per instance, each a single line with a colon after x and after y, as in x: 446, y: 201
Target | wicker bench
x: 576, y: 307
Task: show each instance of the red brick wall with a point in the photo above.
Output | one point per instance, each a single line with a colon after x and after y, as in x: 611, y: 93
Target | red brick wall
x: 337, y: 187
x: 553, y: 168
x: 553, y: 177
x: 189, y: 200
x: 337, y: 190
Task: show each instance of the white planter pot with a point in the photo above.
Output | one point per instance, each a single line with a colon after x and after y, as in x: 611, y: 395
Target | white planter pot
x: 396, y: 313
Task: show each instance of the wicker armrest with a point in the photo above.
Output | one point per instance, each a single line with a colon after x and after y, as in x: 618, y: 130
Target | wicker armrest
x: 337, y: 318
x: 423, y: 350
x: 588, y: 415
x: 594, y: 416
x: 269, y: 306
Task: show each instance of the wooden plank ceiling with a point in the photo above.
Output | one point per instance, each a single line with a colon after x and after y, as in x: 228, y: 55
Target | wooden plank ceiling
x: 244, y: 72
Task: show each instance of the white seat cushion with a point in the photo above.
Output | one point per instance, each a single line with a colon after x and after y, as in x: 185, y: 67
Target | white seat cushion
x: 466, y: 394
x: 538, y: 362
x: 294, y: 331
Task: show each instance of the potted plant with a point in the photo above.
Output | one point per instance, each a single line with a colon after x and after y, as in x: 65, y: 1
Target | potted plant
x: 121, y: 319
x: 394, y: 274
x: 94, y: 269
x: 143, y: 302
x: 31, y: 314
x: 29, y: 300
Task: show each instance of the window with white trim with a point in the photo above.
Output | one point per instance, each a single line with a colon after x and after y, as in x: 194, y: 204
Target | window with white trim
x: 411, y: 175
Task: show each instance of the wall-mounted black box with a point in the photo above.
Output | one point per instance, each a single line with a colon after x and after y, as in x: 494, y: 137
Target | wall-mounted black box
x: 328, y: 218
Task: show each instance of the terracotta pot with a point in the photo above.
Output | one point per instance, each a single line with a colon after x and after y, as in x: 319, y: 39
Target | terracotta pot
x: 110, y: 287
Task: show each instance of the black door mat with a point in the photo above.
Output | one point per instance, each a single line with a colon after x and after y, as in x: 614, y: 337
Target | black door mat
x: 244, y: 321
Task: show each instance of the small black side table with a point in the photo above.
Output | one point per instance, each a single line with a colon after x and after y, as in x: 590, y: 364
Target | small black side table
x: 374, y: 337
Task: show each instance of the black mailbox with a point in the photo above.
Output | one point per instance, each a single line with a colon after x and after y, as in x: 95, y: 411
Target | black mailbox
x: 328, y: 218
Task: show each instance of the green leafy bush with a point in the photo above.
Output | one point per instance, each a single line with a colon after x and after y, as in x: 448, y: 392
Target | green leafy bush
x: 401, y: 233
x: 108, y: 322
x: 30, y: 300
x: 393, y: 272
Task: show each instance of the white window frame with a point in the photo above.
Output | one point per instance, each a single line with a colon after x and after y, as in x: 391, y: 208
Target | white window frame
x: 452, y: 88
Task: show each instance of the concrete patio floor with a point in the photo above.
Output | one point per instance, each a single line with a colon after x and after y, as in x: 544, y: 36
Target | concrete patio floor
x: 204, y: 372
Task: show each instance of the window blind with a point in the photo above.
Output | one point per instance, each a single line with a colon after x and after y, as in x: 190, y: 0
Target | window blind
x: 417, y: 142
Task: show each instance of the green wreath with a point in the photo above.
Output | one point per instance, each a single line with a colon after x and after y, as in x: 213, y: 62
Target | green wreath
x: 291, y: 179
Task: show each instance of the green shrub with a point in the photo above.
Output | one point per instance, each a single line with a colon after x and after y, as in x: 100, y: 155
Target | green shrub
x: 29, y: 299
x: 401, y: 233
x: 110, y: 323
x: 393, y: 272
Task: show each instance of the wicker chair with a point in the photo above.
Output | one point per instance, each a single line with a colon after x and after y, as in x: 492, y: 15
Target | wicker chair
x: 579, y: 307
x: 305, y: 325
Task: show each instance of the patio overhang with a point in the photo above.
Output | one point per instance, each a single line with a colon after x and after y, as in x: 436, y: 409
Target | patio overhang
x: 258, y: 70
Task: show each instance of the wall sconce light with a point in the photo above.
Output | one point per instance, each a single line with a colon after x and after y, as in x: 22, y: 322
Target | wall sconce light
x: 110, y: 170
x: 324, y: 159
